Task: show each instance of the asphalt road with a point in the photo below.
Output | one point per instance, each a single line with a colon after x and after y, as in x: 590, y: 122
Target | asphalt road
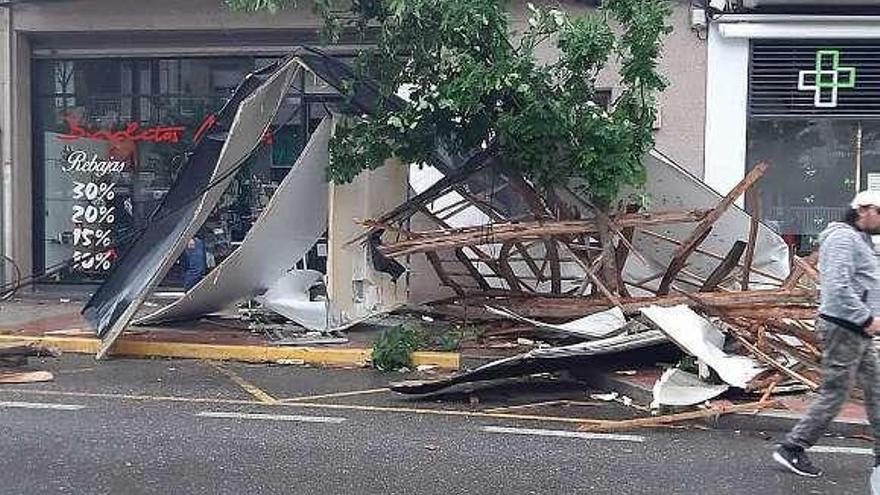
x: 182, y: 427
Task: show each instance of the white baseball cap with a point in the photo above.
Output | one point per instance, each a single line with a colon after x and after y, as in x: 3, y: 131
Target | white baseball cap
x: 866, y: 198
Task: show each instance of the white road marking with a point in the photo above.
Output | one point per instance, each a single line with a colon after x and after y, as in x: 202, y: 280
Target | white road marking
x: 563, y: 433
x: 271, y: 417
x: 827, y: 449
x: 40, y: 405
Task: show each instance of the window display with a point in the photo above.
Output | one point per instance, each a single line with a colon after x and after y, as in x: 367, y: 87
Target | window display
x: 816, y: 166
x: 109, y: 139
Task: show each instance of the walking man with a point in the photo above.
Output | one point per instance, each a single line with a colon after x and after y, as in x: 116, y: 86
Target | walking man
x: 849, y: 315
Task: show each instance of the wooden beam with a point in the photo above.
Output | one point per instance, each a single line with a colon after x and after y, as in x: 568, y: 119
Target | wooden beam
x: 754, y: 200
x: 713, y: 412
x: 485, y: 234
x: 769, y: 361
x: 704, y: 252
x: 530, y: 261
x: 477, y: 252
x: 474, y: 164
x: 472, y: 270
x: 441, y: 273
x: 725, y: 267
x: 509, y: 276
x: 761, y: 304
x: 797, y: 271
x: 702, y: 230
x: 553, y: 260
x: 806, y: 265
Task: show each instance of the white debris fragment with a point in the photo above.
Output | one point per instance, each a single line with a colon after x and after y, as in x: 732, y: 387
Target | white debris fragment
x: 700, y: 338
x: 677, y: 387
x: 595, y: 326
x: 609, y: 397
x: 290, y: 361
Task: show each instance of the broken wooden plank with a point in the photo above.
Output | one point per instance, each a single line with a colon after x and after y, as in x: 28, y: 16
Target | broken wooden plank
x: 766, y: 359
x: 442, y: 274
x: 724, y: 268
x: 553, y: 260
x: 499, y: 233
x: 754, y: 200
x: 482, y: 256
x: 513, y: 282
x: 472, y: 270
x: 474, y: 164
x: 807, y: 265
x: 11, y: 377
x: 702, y: 230
x: 713, y: 412
x: 797, y: 271
x: 530, y: 261
x: 799, y: 304
x: 704, y: 252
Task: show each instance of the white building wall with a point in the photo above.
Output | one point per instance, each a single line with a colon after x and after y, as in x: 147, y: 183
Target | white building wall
x: 727, y: 85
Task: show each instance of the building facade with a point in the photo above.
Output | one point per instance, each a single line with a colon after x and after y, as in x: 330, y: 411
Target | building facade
x: 795, y: 84
x: 94, y: 89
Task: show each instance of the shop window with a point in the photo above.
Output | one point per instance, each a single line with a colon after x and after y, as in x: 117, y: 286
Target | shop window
x: 95, y: 192
x: 816, y: 166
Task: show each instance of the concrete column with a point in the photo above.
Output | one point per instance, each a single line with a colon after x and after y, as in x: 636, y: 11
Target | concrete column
x: 15, y: 144
x: 727, y: 92
x: 5, y: 128
x: 354, y: 287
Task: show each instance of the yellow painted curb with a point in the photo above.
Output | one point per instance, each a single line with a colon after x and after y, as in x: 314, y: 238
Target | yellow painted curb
x: 246, y: 353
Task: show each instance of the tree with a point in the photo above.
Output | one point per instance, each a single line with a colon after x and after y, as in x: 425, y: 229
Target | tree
x: 471, y: 83
x: 473, y: 80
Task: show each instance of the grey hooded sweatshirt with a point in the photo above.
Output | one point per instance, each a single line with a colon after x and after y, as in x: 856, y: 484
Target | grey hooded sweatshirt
x: 849, y: 282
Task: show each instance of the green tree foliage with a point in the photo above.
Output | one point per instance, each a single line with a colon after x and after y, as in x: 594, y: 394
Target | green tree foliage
x: 472, y: 79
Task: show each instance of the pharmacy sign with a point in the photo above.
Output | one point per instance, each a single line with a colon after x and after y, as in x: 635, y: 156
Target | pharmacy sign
x: 827, y: 79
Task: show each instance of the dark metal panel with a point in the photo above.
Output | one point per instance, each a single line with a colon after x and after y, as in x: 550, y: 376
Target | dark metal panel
x: 203, y: 179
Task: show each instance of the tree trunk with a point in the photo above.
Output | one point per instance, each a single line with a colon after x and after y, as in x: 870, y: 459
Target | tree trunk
x: 609, y: 273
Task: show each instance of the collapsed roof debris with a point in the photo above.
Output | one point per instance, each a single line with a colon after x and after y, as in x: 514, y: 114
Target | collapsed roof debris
x: 692, y: 268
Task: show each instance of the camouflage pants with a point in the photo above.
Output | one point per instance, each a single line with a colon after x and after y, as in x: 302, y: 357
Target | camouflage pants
x: 846, y: 357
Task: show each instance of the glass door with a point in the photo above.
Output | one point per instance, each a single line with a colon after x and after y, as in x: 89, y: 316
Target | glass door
x: 816, y: 166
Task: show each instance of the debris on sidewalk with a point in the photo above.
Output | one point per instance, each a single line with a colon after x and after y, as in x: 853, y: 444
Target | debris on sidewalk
x: 713, y: 411
x: 677, y: 387
x: 706, y: 276
x: 542, y: 270
x: 13, y: 377
x: 16, y: 356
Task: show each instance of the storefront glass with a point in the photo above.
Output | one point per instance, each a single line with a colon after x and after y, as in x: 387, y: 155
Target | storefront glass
x: 109, y: 140
x: 814, y: 117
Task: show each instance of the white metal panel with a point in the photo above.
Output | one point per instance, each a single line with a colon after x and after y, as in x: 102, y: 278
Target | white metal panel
x: 294, y: 219
x: 253, y: 117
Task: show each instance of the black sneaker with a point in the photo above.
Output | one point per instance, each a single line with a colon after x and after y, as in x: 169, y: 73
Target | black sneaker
x: 796, y: 461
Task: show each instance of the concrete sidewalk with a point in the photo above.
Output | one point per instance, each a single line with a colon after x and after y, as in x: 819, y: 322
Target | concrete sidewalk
x: 55, y: 320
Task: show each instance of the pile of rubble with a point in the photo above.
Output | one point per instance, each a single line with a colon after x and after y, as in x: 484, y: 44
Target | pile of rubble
x: 709, y: 279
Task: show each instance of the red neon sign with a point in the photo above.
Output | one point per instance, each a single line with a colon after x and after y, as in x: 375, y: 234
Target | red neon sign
x: 132, y: 132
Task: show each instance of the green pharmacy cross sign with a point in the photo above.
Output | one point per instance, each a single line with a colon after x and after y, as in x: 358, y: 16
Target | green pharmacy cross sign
x: 827, y: 79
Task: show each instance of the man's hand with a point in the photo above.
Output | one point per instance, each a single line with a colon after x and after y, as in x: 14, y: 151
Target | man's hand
x: 874, y: 328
